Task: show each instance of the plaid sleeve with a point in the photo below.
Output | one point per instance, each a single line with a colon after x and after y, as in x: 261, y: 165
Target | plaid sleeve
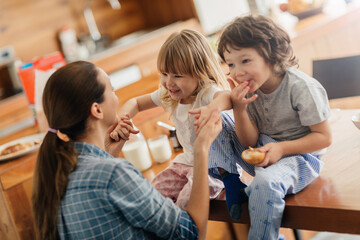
x: 146, y: 208
x: 187, y: 229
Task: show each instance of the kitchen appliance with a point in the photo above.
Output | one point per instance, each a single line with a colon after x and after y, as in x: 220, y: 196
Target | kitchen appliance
x: 9, y: 81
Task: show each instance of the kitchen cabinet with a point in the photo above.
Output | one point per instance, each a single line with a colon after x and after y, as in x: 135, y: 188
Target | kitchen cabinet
x: 35, y: 33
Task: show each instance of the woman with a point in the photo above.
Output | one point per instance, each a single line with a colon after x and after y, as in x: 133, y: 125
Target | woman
x: 82, y: 191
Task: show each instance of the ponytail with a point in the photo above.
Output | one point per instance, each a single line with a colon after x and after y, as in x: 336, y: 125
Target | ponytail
x: 67, y: 99
x: 56, y: 160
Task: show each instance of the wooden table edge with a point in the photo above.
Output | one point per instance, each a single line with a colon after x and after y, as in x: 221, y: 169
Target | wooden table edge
x: 298, y: 217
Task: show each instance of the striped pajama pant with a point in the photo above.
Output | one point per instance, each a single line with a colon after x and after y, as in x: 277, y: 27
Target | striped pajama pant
x: 269, y: 186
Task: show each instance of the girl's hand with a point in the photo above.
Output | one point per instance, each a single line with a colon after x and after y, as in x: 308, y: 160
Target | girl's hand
x: 202, y: 116
x: 209, y: 131
x: 123, y: 129
x: 273, y: 152
x: 238, y: 94
x: 111, y: 146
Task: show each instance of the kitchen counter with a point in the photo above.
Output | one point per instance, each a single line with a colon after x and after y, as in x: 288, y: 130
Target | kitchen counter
x: 331, y: 34
x: 16, y: 178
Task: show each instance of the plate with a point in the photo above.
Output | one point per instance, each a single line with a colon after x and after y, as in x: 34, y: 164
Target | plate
x: 26, y: 139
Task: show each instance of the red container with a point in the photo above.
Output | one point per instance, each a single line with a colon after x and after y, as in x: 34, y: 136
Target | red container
x: 27, y: 72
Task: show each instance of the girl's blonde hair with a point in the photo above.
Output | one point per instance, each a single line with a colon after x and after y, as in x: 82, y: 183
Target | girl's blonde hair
x: 189, y: 52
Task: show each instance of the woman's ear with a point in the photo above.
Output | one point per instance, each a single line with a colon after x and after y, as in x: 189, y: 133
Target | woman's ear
x: 96, y: 111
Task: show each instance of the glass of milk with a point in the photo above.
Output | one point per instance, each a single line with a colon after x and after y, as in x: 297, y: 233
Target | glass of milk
x: 136, y: 151
x: 160, y: 148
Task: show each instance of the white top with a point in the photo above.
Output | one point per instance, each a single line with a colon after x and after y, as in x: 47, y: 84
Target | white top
x: 184, y: 122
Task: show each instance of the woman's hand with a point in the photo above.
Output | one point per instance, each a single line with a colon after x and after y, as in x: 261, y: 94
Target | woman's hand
x: 123, y: 129
x: 114, y: 147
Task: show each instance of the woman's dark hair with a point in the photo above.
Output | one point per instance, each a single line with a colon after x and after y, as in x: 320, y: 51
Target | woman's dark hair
x: 67, y: 99
x: 262, y: 34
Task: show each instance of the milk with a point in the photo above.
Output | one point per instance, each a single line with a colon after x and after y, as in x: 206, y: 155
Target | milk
x: 160, y: 148
x: 137, y: 153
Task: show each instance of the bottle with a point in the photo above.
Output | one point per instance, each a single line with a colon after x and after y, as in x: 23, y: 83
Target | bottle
x: 136, y: 152
x: 69, y: 43
x: 173, y: 138
x: 174, y: 141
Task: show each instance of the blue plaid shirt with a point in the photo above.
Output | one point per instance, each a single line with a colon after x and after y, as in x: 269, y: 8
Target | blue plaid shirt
x: 108, y: 198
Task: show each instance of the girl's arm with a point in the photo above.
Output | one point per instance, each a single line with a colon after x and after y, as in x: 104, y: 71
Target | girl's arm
x: 137, y: 104
x: 221, y: 101
x: 130, y: 109
x: 317, y: 139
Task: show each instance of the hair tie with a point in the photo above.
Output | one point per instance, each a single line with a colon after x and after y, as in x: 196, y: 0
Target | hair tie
x: 52, y: 130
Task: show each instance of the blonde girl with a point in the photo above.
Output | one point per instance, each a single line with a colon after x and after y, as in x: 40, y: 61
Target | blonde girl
x: 190, y: 78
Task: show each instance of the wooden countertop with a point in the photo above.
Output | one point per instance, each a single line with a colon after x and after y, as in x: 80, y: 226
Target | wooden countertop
x: 314, y: 26
x: 332, y: 201
x: 331, y: 198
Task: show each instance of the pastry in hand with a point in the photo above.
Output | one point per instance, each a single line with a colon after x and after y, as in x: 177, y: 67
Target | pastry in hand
x: 253, y: 155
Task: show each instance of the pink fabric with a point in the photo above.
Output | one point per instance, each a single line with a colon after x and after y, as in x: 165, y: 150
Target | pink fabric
x: 176, y: 181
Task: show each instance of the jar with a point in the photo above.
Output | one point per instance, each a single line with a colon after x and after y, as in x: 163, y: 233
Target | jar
x: 160, y: 148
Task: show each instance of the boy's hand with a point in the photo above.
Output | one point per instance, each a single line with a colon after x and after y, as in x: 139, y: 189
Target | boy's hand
x: 238, y: 94
x: 273, y: 154
x: 123, y: 129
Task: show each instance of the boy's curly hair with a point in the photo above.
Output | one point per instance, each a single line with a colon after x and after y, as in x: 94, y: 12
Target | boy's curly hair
x: 262, y: 34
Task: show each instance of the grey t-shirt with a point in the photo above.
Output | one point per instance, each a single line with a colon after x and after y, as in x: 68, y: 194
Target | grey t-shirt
x: 286, y: 114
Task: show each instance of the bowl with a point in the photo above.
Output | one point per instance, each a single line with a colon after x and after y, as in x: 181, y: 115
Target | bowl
x: 356, y: 120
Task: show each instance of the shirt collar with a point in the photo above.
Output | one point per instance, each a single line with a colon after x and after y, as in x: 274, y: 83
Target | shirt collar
x: 84, y: 148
